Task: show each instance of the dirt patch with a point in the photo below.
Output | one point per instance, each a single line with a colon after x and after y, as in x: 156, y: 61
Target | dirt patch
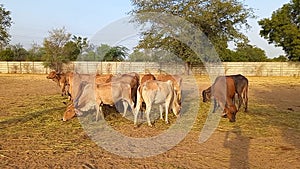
x: 33, y: 135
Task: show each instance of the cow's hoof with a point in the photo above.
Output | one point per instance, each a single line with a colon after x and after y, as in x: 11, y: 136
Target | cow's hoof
x: 150, y: 125
x: 167, y: 122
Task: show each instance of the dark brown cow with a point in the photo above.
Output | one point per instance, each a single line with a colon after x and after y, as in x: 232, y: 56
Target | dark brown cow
x: 241, y: 89
x: 223, y: 90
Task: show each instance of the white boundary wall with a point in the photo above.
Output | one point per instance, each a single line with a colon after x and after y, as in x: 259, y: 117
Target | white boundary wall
x: 245, y: 68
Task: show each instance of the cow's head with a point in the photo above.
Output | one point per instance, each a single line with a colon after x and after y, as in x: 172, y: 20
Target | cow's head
x: 206, y: 94
x: 52, y: 75
x: 69, y: 113
x: 230, y: 113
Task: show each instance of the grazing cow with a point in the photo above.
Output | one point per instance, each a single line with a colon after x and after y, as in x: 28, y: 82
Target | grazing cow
x: 75, y: 79
x: 83, y: 102
x: 104, y: 94
x: 177, y: 81
x: 147, y: 77
x: 110, y: 93
x: 133, y: 81
x: 61, y: 79
x: 241, y: 89
x: 157, y: 92
x: 223, y: 90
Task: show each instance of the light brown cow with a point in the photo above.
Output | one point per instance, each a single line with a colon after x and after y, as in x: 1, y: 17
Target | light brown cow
x: 177, y: 81
x: 157, y: 92
x: 132, y: 80
x: 110, y: 93
x: 75, y: 81
x: 61, y: 79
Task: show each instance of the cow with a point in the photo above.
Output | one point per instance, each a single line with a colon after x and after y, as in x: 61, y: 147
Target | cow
x: 83, y: 102
x: 176, y: 80
x: 130, y: 79
x: 110, y: 93
x: 157, y: 92
x: 74, y: 80
x: 61, y: 79
x: 223, y: 91
x: 241, y: 89
x: 98, y: 95
x: 147, y: 77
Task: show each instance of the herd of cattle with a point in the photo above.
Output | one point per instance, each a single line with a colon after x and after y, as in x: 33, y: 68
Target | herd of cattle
x: 87, y: 92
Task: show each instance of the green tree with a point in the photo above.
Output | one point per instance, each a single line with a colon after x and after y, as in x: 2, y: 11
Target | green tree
x: 35, y: 53
x: 280, y: 58
x: 116, y: 53
x: 59, y: 49
x: 20, y: 53
x: 101, y: 51
x: 221, y: 21
x: 283, y: 29
x: 7, y: 54
x: 5, y: 24
x: 248, y: 53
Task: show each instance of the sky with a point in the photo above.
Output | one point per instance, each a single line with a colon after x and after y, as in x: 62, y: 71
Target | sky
x: 33, y: 19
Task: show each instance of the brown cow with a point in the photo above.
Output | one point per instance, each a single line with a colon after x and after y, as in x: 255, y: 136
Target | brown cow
x: 177, y: 81
x: 61, y: 79
x: 157, y: 92
x: 110, y: 93
x: 147, y: 77
x: 130, y: 79
x: 223, y: 90
x: 75, y: 81
x: 241, y: 89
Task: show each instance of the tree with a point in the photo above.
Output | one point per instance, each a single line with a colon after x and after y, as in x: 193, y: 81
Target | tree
x: 20, y: 53
x: 35, y: 53
x: 7, y: 55
x: 59, y: 49
x: 5, y: 24
x: 221, y: 21
x: 283, y: 29
x: 116, y: 53
x: 248, y: 53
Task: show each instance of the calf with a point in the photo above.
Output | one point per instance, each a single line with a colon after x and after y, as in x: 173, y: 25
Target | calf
x: 157, y: 92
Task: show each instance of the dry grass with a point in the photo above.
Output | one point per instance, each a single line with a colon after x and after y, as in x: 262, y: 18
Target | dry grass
x: 31, y: 128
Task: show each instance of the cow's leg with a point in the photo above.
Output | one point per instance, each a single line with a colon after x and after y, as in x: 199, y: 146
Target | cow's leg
x: 99, y: 111
x: 240, y: 101
x: 125, y: 106
x: 216, y: 105
x: 148, y: 109
x: 161, y: 109
x: 167, y: 110
x: 246, y: 100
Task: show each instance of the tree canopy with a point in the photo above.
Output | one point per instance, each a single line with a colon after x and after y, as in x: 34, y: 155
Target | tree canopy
x: 221, y: 21
x: 283, y: 29
x: 5, y: 24
x: 59, y: 49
